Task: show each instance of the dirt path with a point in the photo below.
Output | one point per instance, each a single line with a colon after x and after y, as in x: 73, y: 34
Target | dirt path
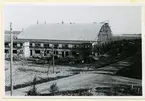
x: 81, y: 81
x: 101, y: 78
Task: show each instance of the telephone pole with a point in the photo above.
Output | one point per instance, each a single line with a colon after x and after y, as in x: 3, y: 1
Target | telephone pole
x: 53, y: 57
x: 11, y: 61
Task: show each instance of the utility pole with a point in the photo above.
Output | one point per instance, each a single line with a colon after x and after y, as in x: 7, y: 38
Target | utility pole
x: 11, y: 61
x: 53, y: 57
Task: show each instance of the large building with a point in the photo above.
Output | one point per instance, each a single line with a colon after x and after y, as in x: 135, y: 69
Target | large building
x: 64, y: 39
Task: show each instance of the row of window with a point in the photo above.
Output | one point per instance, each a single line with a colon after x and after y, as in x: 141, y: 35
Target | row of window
x: 45, y: 45
x: 45, y: 52
x: 14, y: 51
x: 62, y: 53
x: 58, y: 45
x: 40, y: 52
x: 14, y: 44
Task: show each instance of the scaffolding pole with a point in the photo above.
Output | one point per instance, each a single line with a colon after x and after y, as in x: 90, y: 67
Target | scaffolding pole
x: 11, y: 61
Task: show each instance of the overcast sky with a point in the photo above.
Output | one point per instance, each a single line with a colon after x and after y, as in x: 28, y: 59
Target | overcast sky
x: 122, y: 19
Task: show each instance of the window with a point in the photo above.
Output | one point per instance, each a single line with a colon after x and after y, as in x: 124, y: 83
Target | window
x: 37, y: 51
x: 65, y: 46
x: 45, y: 54
x: 55, y: 45
x: 60, y: 45
x: 18, y: 45
x: 77, y: 46
x: 46, y: 45
x: 106, y: 30
x: 6, y: 44
x: 66, y: 53
x: 47, y: 51
x: 15, y: 51
x: 14, y: 45
x: 55, y: 52
x: 30, y: 52
x: 21, y: 51
x: 30, y: 44
x: 21, y: 44
x: 37, y: 45
x: 33, y: 44
x: 59, y: 52
x: 50, y: 45
x: 6, y: 51
x: 70, y: 45
x: 74, y: 53
x: 81, y: 46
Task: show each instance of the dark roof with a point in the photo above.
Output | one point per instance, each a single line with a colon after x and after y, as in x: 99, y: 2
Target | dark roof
x: 8, y: 37
x: 83, y: 31
x: 55, y: 41
x: 14, y: 32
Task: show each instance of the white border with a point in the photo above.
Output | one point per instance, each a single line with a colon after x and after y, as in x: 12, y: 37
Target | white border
x: 77, y: 4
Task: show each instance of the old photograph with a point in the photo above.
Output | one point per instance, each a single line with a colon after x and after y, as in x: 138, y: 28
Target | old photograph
x: 72, y: 50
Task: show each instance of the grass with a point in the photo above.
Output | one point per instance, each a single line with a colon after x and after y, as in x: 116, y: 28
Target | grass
x: 134, y: 70
x: 117, y: 90
x: 42, y: 80
x: 121, y: 90
x: 78, y: 92
x: 31, y: 70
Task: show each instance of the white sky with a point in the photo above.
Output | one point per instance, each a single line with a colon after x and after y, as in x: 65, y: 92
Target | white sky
x: 122, y: 19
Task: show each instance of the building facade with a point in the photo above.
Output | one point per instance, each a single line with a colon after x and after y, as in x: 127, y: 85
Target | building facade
x: 59, y: 39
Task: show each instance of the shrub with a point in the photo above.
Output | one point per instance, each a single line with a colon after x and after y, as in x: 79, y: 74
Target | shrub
x: 33, y: 90
x: 53, y: 89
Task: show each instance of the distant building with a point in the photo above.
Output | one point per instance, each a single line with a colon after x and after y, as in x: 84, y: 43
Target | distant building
x: 65, y: 39
x: 125, y: 36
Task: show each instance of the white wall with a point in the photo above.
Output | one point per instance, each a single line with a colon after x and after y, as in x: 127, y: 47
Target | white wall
x: 26, y: 49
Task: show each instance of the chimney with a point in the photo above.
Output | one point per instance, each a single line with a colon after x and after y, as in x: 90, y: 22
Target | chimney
x: 45, y: 22
x: 62, y: 22
x: 37, y: 22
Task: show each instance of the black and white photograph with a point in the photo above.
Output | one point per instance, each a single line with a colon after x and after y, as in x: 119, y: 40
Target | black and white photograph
x: 72, y: 50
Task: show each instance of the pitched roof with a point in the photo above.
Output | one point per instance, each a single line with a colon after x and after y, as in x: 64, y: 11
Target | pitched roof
x: 81, y: 31
x: 7, y: 36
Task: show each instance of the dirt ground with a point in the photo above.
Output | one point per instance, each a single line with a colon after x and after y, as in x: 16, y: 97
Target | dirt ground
x: 26, y: 73
x: 85, y: 79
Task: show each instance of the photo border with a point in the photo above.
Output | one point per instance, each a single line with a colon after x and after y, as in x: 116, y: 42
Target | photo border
x: 79, y: 97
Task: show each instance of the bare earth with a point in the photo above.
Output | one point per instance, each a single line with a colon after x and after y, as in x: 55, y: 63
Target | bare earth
x: 102, y: 77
